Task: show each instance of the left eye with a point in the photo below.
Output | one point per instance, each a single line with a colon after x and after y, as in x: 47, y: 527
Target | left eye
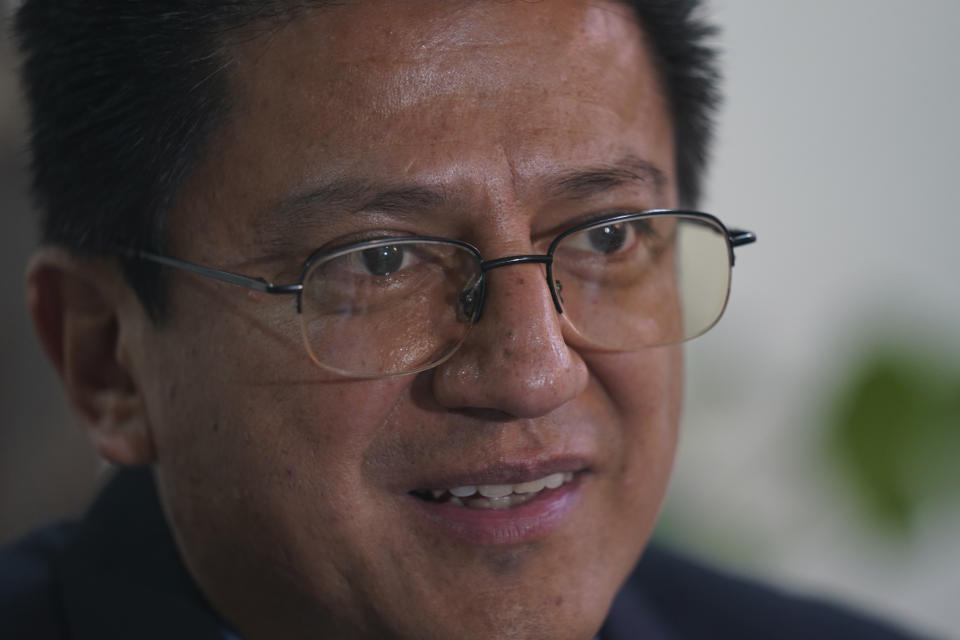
x: 609, y: 238
x: 605, y: 240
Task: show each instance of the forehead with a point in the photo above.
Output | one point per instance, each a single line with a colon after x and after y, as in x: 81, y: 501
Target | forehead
x: 440, y: 92
x: 400, y: 54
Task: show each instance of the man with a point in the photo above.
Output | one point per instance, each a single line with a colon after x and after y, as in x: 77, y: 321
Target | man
x: 385, y: 301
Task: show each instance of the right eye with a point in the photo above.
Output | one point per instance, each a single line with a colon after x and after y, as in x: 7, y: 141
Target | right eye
x: 382, y: 261
x: 385, y: 261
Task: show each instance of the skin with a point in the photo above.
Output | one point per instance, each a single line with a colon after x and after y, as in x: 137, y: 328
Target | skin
x: 287, y: 486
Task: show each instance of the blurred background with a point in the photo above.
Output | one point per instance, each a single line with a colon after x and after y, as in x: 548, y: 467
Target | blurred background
x: 822, y: 428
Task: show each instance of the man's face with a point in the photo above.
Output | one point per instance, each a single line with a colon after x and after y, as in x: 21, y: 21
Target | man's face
x: 295, y: 494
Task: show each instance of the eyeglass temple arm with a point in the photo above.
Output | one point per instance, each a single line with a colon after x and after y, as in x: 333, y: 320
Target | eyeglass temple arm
x: 739, y: 237
x: 257, y: 284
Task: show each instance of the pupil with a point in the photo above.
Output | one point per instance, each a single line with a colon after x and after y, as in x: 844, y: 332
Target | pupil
x: 382, y: 261
x: 608, y: 239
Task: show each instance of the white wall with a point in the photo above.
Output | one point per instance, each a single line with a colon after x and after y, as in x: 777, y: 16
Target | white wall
x: 840, y: 146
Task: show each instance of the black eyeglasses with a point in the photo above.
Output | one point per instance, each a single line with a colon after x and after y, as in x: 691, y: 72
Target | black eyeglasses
x: 401, y: 305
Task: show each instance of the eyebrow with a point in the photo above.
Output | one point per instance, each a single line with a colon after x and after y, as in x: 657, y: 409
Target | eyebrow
x: 301, y: 211
x: 585, y: 183
x: 355, y: 194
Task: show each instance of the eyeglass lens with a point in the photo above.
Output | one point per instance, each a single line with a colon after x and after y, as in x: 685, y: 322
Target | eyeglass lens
x: 645, y: 282
x: 388, y: 309
x: 398, y: 306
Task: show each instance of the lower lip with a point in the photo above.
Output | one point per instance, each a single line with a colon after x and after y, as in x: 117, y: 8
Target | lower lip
x: 527, y: 522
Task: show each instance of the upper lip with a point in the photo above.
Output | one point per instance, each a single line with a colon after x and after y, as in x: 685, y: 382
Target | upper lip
x: 504, y: 472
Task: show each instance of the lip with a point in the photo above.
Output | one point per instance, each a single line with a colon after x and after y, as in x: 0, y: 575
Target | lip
x: 524, y: 523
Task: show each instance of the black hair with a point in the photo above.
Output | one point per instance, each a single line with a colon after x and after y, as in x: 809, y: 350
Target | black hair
x: 681, y: 41
x: 123, y: 96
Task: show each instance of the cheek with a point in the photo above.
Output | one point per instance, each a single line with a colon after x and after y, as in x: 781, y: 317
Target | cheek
x: 242, y: 383
x: 249, y: 428
x: 281, y: 427
x: 646, y: 386
x: 273, y: 447
x: 646, y: 389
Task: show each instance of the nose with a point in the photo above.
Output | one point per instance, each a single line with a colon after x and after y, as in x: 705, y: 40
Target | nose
x: 515, y: 360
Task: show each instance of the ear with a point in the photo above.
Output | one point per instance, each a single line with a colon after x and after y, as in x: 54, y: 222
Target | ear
x: 75, y: 305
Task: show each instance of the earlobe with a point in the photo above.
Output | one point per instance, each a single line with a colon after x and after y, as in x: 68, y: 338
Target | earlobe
x: 75, y: 305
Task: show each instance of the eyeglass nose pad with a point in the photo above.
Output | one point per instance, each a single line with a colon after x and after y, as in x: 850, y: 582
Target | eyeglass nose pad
x: 471, y: 302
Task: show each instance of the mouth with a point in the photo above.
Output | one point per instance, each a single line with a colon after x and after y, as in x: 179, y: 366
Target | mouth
x: 495, y: 496
x: 503, y: 504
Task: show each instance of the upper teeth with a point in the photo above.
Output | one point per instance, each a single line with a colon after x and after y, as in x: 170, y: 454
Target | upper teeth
x: 551, y: 481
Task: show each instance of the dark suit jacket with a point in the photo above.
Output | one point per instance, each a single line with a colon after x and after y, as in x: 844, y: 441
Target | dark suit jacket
x: 117, y: 576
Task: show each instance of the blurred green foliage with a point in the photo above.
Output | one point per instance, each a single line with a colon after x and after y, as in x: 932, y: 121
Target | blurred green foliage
x: 894, y: 427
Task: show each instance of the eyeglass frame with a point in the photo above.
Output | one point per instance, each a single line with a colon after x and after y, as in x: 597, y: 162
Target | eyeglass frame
x: 735, y: 238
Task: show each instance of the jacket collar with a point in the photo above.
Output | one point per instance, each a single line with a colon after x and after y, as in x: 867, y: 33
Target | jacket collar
x: 121, y: 574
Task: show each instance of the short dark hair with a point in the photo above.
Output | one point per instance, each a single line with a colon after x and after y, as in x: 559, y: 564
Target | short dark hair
x: 681, y: 40
x: 123, y: 96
